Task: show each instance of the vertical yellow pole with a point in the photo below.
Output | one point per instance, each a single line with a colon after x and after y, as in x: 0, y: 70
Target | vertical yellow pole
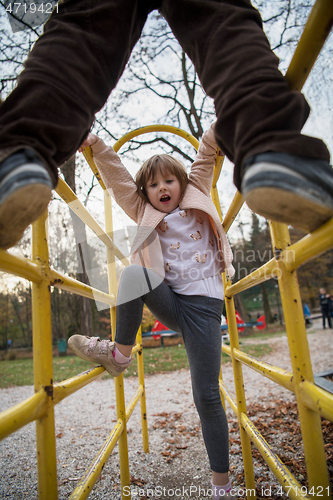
x: 43, y: 370
x: 141, y: 376
x: 119, y: 381
x: 301, y: 366
x: 240, y: 393
x: 215, y: 197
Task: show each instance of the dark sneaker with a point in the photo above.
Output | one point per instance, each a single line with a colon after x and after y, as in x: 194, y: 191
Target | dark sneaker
x: 25, y: 191
x: 294, y: 190
x: 97, y: 351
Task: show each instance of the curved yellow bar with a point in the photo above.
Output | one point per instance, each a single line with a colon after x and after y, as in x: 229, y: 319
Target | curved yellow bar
x: 155, y: 128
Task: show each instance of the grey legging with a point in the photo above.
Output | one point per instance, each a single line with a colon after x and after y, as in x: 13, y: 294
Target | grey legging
x: 198, y: 319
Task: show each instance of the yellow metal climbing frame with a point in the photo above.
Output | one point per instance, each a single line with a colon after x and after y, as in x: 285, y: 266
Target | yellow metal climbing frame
x: 313, y: 402
x: 40, y: 407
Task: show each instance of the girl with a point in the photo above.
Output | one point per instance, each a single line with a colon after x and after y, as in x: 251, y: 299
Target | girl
x: 177, y: 258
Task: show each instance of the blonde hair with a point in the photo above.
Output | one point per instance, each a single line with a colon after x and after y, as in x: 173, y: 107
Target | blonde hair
x: 163, y: 163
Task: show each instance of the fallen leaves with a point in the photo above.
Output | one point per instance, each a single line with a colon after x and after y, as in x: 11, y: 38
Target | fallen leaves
x: 278, y: 422
x: 137, y: 481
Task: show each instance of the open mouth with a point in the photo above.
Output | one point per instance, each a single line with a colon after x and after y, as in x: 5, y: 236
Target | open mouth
x: 165, y: 198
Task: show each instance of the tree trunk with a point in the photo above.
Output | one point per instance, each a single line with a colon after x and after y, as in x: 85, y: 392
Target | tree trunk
x: 83, y: 249
x: 267, y: 309
x: 239, y: 306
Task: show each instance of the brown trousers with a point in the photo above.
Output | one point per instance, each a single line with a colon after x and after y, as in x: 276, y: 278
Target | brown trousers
x: 79, y: 59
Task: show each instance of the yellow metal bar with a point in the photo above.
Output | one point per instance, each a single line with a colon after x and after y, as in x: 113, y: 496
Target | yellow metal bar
x: 263, y: 273
x: 309, y: 247
x: 86, y: 483
x: 67, y: 387
x: 23, y: 413
x: 119, y: 381
x: 43, y: 371
x: 87, y: 153
x: 278, y: 375
x: 228, y: 396
x: 155, y: 128
x: 19, y: 266
x: 216, y: 201
x: 226, y: 349
x: 65, y: 192
x: 301, y: 364
x: 136, y: 349
x: 123, y: 448
x: 143, y: 407
x: 233, y: 211
x: 317, y: 399
x: 215, y: 198
x: 218, y: 167
x: 315, y: 32
x: 71, y: 285
x: 290, y: 485
x: 134, y: 401
x: 240, y: 393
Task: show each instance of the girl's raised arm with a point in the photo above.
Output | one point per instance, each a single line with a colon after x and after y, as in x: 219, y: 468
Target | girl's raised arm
x: 116, y: 177
x: 202, y: 169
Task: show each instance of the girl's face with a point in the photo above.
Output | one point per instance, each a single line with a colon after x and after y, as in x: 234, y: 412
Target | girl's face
x: 164, y: 191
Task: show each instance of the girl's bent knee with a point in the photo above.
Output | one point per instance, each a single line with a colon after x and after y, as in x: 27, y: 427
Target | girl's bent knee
x: 135, y: 282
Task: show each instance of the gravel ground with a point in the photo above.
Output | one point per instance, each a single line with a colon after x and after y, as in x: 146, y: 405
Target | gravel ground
x: 177, y: 465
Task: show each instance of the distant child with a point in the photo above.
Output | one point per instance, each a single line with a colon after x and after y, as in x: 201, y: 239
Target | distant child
x: 325, y: 306
x: 307, y: 314
x: 177, y: 258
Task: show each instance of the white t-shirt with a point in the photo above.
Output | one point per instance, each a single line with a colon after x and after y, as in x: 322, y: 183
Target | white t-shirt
x: 191, y: 258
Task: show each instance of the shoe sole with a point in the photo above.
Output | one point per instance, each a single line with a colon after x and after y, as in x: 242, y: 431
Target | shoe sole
x: 288, y: 208
x: 287, y: 197
x: 19, y: 210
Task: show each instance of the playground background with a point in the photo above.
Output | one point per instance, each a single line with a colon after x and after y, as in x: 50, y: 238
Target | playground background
x: 177, y: 458
x: 69, y: 312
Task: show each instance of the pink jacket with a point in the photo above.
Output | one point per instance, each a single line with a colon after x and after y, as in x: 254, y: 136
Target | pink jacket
x: 197, y: 195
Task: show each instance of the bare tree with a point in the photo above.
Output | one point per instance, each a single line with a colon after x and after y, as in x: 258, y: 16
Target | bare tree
x: 160, y: 85
x: 160, y: 80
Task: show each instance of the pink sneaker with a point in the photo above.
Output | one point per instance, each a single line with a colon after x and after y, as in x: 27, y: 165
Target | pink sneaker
x: 97, y: 351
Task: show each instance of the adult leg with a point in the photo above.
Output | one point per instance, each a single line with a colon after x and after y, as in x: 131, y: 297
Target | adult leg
x: 68, y: 76
x: 256, y: 111
x: 323, y: 313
